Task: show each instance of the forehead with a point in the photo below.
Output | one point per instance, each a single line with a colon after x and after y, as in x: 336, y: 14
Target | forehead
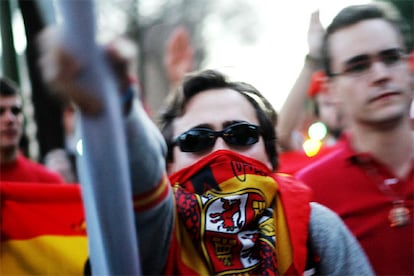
x: 215, y: 107
x: 366, y: 37
x: 10, y: 100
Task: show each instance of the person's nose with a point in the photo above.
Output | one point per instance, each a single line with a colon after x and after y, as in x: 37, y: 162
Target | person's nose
x: 379, y: 71
x: 220, y: 144
x: 8, y: 115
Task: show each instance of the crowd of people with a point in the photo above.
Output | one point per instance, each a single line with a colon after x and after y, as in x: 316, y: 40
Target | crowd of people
x: 211, y: 174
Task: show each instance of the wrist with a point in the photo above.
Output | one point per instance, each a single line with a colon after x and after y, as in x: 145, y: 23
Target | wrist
x: 314, y: 62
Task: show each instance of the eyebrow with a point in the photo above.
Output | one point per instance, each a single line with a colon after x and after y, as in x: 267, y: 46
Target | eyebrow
x: 224, y: 125
x: 228, y: 123
x: 11, y: 106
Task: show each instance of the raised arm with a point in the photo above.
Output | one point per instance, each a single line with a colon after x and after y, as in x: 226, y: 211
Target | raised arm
x: 122, y: 169
x: 293, y: 109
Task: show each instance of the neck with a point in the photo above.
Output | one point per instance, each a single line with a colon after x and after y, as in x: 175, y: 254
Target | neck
x: 8, y: 156
x: 393, y: 146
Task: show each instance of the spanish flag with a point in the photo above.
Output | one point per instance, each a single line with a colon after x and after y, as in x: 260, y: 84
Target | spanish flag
x: 42, y: 229
x: 236, y: 217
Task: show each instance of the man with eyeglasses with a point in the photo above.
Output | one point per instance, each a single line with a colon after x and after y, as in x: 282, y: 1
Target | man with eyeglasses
x: 14, y: 167
x: 369, y: 180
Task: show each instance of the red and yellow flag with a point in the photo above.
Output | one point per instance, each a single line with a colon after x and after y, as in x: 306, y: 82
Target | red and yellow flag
x: 42, y: 229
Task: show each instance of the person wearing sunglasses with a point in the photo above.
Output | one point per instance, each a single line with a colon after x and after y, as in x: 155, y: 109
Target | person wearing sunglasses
x: 206, y: 196
x: 13, y: 165
x: 218, y: 131
x: 369, y: 179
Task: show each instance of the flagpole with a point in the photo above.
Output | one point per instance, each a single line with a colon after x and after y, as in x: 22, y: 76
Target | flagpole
x: 103, y: 167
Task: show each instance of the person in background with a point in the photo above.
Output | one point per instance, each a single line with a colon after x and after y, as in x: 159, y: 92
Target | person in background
x: 307, y: 103
x: 325, y: 109
x: 221, y: 209
x: 63, y: 160
x: 13, y: 165
x: 369, y: 179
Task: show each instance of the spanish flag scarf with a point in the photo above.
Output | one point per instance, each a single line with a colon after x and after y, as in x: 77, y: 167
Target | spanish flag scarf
x: 231, y: 219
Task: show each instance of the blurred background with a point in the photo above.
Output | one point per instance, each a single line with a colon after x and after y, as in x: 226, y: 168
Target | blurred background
x: 261, y: 42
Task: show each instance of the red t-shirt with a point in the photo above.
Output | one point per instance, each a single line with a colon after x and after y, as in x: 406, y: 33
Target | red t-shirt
x: 362, y: 190
x: 292, y: 161
x: 25, y: 170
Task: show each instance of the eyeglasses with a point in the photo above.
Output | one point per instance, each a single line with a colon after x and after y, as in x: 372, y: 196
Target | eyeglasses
x: 15, y: 110
x: 360, y: 65
x: 199, y: 139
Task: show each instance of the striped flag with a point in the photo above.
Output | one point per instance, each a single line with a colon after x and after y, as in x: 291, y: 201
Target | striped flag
x: 43, y: 229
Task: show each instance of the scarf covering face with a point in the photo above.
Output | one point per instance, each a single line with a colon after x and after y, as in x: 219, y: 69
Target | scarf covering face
x: 230, y: 219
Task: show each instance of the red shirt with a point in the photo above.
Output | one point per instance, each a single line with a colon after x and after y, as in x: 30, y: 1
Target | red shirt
x: 292, y: 161
x: 362, y: 190
x: 25, y: 170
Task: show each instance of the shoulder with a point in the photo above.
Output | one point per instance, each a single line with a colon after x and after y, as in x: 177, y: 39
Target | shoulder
x: 326, y: 227
x: 326, y: 166
x: 339, y: 251
x: 322, y: 217
x: 39, y: 172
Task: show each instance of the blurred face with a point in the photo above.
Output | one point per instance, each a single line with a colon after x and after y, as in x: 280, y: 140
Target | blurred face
x: 11, y: 120
x: 373, y: 78
x: 216, y: 110
x: 328, y: 111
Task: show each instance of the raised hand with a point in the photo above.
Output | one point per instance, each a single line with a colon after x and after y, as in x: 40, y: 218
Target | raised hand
x: 60, y: 70
x: 315, y: 35
x: 178, y: 55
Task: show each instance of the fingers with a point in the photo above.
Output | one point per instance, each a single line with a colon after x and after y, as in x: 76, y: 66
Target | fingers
x: 315, y: 19
x: 315, y: 35
x: 179, y: 55
x: 48, y: 44
x: 315, y: 24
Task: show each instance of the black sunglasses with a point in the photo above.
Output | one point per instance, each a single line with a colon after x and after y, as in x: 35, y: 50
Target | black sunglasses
x: 360, y: 65
x: 199, y: 139
x: 15, y: 110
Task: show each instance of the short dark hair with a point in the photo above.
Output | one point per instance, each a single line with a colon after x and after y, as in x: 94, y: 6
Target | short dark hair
x: 8, y: 87
x: 211, y: 79
x: 355, y: 14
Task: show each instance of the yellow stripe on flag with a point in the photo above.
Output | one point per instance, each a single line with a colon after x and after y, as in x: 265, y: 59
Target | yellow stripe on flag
x: 44, y: 255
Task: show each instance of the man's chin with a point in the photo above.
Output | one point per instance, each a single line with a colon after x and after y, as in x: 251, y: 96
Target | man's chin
x: 8, y: 147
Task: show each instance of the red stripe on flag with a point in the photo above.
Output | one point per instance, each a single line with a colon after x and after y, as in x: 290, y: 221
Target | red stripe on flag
x: 32, y: 209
